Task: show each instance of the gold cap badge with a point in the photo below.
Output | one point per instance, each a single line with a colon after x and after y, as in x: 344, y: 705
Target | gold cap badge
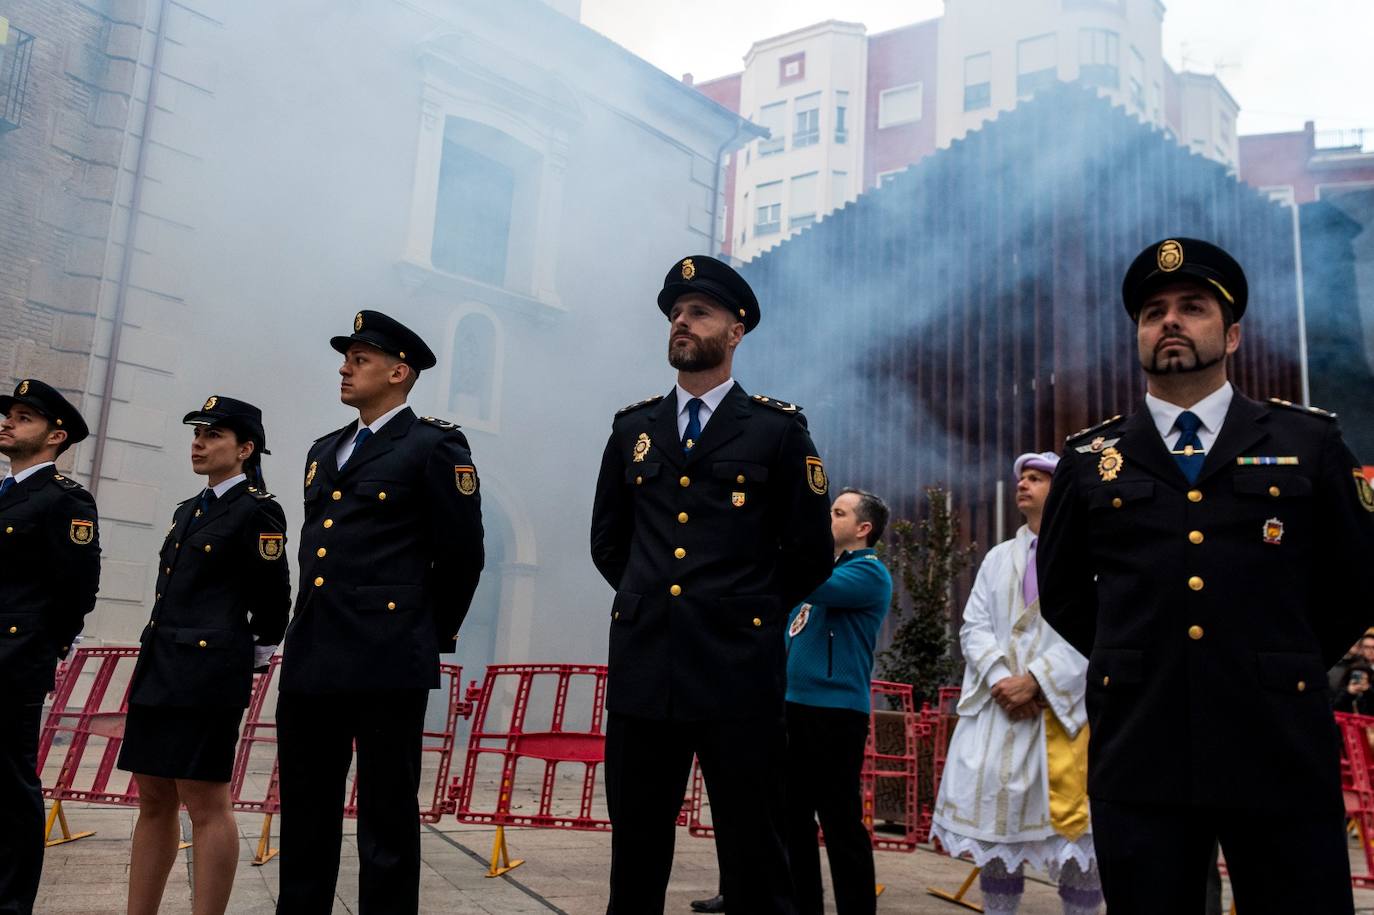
x: 689, y: 269
x: 357, y: 322
x: 23, y: 387
x: 210, y: 404
x: 1169, y: 256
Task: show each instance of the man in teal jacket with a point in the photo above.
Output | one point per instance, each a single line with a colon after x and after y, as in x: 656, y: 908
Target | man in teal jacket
x: 830, y: 640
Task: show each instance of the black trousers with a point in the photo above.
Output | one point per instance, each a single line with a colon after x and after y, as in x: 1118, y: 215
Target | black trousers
x: 825, y: 758
x: 315, y: 738
x: 648, y: 763
x: 1156, y: 858
x: 21, y: 804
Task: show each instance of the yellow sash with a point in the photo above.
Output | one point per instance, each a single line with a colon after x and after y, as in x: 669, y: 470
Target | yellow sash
x: 1068, y: 770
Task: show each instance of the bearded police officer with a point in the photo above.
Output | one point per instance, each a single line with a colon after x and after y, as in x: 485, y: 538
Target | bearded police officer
x: 1207, y: 553
x: 49, y: 573
x: 390, y: 555
x: 710, y: 521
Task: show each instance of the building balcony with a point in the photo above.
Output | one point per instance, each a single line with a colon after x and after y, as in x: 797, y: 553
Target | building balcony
x: 16, y: 59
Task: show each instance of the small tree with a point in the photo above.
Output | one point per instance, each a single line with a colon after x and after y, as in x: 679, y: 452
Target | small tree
x: 924, y: 559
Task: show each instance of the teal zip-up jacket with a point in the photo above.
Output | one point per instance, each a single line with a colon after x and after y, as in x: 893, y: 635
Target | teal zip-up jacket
x: 831, y: 636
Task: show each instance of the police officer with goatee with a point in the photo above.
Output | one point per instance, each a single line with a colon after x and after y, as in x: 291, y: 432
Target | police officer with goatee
x: 1208, y: 554
x: 711, y: 520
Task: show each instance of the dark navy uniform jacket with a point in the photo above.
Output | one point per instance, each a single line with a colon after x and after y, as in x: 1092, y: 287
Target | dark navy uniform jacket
x: 707, y: 553
x: 223, y: 579
x: 390, y: 554
x: 49, y: 574
x: 1210, y: 612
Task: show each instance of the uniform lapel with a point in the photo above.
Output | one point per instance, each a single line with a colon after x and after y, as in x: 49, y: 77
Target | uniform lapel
x: 727, y: 421
x: 221, y: 503
x: 379, y: 444
x: 1242, y: 428
x: 327, y: 460
x: 664, y: 441
x: 18, y: 492
x: 1140, y: 445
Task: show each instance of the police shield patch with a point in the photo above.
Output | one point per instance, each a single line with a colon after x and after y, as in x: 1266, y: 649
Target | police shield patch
x: 815, y: 476
x: 465, y: 475
x: 82, y: 532
x: 1364, y: 490
x: 269, y: 546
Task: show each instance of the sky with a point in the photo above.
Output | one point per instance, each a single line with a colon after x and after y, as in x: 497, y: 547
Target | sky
x: 1285, y: 62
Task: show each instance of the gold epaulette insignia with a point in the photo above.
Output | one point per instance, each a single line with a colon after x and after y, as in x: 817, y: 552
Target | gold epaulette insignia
x: 436, y: 421
x: 1315, y: 411
x: 635, y: 406
x: 776, y: 404
x: 1102, y: 425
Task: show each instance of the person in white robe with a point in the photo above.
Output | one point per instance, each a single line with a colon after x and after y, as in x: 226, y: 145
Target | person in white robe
x: 1014, y: 790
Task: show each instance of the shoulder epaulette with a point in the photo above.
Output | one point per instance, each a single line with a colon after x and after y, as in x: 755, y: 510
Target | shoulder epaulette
x: 776, y: 404
x: 1102, y: 425
x: 260, y: 493
x: 635, y: 406
x: 1314, y: 411
x: 65, y: 482
x: 436, y: 421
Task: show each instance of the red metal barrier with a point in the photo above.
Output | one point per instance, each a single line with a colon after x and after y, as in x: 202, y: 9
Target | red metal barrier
x: 257, y: 756
x: 89, y: 703
x: 1357, y: 777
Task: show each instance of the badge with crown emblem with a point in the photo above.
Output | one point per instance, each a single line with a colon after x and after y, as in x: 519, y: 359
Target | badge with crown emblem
x: 210, y: 404
x: 1169, y: 256
x: 689, y: 269
x: 357, y: 322
x: 23, y: 387
x: 641, y: 447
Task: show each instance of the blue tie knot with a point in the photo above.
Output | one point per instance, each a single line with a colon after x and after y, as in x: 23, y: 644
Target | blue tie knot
x: 1188, y: 422
x: 363, y: 435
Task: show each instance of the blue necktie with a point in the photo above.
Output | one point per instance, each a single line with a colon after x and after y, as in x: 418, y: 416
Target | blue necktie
x: 689, y: 438
x: 1188, y: 449
x: 363, y: 435
x: 5, y: 485
x: 207, y: 498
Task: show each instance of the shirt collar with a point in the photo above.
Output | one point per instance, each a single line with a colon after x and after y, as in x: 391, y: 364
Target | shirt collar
x: 24, y: 474
x: 711, y: 398
x: 1210, y: 409
x: 376, y: 424
x: 847, y: 555
x: 226, y: 485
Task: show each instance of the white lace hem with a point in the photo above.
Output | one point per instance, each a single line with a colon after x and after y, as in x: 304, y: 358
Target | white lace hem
x: 1046, y: 855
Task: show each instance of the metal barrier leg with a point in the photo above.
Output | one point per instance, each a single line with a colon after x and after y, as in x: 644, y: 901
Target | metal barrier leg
x: 501, y: 854
x: 958, y: 897
x: 265, y: 851
x: 60, y: 816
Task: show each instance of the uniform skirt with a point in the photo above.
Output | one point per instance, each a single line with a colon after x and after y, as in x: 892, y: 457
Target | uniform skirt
x: 171, y: 742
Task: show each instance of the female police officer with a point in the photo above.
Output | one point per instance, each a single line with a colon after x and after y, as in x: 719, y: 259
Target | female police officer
x: 223, y: 594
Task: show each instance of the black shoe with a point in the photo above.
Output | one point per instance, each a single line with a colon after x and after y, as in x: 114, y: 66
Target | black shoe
x: 714, y: 904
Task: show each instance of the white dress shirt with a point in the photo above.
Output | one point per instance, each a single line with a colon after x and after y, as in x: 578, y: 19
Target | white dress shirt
x: 24, y: 474
x: 346, y: 449
x: 225, y: 485
x: 709, y: 401
x: 1210, y: 409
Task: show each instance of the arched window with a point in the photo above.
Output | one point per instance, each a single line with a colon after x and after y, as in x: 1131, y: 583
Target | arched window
x: 472, y: 382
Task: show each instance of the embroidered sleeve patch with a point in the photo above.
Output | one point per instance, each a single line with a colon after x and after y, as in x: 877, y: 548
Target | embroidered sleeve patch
x: 270, y: 545
x: 82, y: 532
x: 465, y: 475
x: 815, y: 476
x: 1363, y: 490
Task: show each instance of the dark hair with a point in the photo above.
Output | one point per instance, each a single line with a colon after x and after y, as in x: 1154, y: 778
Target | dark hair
x: 871, y: 509
x: 252, y: 465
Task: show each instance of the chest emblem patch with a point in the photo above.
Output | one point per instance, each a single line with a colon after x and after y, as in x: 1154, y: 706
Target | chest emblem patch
x: 1110, y: 464
x: 465, y: 475
x: 737, y: 499
x: 815, y: 476
x: 310, y: 474
x: 1273, y: 531
x: 798, y: 624
x: 641, y: 447
x: 269, y: 545
x: 82, y: 532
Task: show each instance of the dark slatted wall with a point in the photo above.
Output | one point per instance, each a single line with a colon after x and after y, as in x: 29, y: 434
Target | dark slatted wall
x: 970, y: 310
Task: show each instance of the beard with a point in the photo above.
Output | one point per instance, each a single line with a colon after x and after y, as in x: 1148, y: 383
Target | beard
x: 1156, y: 364
x: 698, y: 354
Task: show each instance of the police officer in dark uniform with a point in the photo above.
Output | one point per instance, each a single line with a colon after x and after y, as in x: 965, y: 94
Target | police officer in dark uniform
x: 390, y: 555
x: 711, y: 520
x: 1207, y: 554
x: 223, y: 595
x: 49, y: 573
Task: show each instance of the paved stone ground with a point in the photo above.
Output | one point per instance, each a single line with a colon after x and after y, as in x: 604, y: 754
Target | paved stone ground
x: 563, y: 872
